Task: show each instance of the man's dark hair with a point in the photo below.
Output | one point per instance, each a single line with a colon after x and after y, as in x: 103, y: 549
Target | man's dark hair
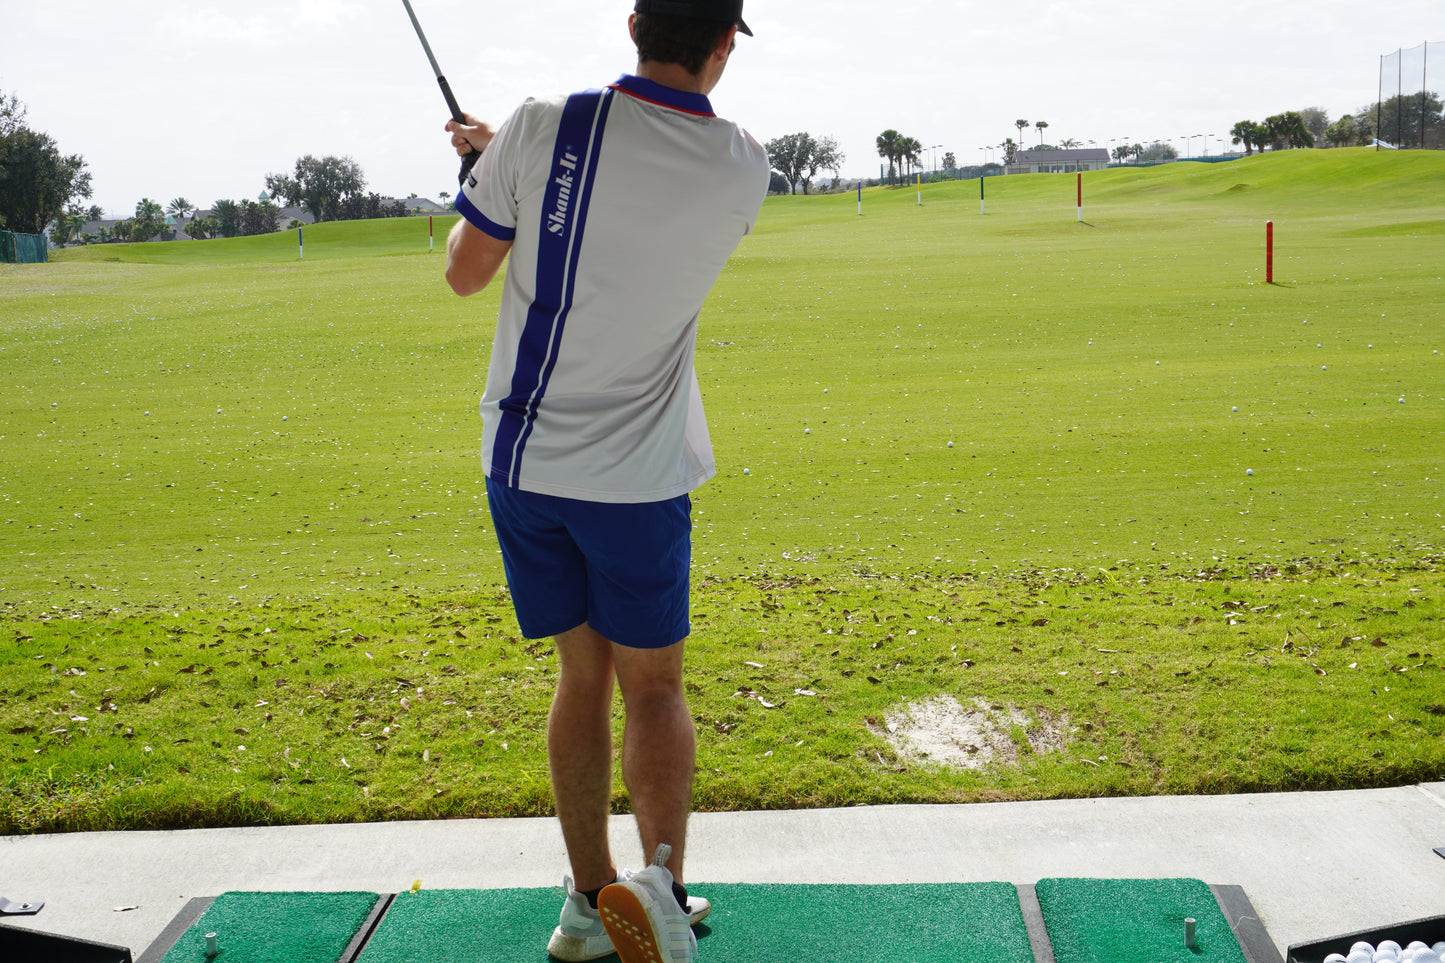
x: 685, y: 41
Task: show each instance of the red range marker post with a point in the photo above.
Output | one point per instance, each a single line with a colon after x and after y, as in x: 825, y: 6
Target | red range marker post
x: 430, y: 235
x: 1269, y: 252
x: 1081, y: 196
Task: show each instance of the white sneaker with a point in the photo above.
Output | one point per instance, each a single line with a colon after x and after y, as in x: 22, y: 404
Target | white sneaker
x: 643, y: 918
x: 580, y: 935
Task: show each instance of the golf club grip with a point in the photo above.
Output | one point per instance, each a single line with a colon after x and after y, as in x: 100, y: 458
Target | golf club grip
x: 468, y: 161
x: 457, y: 114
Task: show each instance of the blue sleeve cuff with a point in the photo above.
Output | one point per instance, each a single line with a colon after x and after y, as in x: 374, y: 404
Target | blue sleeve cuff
x: 481, y: 222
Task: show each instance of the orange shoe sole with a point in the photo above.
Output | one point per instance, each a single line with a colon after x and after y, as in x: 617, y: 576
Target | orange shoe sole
x: 626, y: 921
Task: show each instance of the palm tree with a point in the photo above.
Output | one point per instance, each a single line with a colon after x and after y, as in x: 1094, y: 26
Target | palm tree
x: 1040, y: 126
x: 888, y: 146
x: 910, y: 150
x: 1288, y: 130
x: 75, y: 223
x: 180, y: 208
x: 149, y: 219
x: 1021, y: 124
x: 1250, y: 134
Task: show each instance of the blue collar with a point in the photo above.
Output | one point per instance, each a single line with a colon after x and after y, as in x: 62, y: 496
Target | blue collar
x: 655, y: 93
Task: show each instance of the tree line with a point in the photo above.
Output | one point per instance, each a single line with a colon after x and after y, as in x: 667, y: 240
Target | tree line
x: 1410, y: 121
x: 1155, y: 153
x: 1407, y: 121
x: 41, y: 187
x: 328, y: 188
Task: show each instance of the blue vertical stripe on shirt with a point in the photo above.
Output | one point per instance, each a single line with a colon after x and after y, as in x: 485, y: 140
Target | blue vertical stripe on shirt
x: 559, y: 240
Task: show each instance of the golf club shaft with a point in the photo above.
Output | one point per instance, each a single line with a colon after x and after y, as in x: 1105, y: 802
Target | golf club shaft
x: 457, y: 114
x: 470, y: 158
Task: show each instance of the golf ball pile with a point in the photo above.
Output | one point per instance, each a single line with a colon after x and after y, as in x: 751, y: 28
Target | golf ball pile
x: 1391, y: 952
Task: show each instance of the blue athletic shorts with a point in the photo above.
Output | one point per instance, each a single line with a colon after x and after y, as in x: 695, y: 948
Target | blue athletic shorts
x: 620, y: 567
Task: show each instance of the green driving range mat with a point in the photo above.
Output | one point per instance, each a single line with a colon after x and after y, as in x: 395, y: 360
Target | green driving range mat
x: 275, y: 928
x: 457, y: 925
x: 755, y: 923
x: 1135, y: 921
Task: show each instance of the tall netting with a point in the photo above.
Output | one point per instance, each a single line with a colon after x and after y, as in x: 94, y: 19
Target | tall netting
x: 1409, y: 111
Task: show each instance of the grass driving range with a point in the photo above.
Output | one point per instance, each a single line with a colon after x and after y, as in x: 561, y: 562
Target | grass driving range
x: 1187, y: 524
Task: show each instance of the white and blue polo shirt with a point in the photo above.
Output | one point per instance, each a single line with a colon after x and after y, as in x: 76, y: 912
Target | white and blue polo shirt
x: 623, y: 204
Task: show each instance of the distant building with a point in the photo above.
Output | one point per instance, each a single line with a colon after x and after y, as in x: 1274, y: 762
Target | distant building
x: 425, y: 205
x: 1059, y: 161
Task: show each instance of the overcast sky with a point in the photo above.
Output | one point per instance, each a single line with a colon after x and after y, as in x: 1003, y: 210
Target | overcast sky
x: 202, y: 99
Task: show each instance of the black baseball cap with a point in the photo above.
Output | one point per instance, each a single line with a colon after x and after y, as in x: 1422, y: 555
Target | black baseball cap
x: 723, y: 11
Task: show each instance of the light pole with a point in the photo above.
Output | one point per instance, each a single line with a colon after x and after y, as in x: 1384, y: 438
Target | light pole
x: 934, y: 148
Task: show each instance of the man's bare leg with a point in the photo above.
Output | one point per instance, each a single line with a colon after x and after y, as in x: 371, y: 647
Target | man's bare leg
x: 659, y: 747
x: 579, y: 750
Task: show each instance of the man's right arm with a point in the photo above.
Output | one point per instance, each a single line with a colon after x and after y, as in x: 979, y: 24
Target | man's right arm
x: 473, y: 258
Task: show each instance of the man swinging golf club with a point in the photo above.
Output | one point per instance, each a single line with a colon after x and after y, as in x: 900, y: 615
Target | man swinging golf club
x: 619, y: 208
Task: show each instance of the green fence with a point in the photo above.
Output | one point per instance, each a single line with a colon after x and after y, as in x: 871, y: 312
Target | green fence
x: 22, y: 248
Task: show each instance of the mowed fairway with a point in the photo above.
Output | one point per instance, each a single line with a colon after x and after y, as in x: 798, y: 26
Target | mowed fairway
x: 995, y: 447
x: 1105, y: 386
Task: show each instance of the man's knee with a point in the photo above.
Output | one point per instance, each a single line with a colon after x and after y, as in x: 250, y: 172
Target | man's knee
x: 649, y: 677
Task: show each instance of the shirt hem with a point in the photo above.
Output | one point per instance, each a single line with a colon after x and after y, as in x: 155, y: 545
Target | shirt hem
x: 688, y: 484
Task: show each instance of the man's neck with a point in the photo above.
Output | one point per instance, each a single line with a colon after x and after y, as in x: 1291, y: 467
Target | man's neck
x: 676, y: 77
